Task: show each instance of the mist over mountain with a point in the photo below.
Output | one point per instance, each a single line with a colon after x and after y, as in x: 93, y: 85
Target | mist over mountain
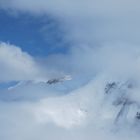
x: 83, y: 83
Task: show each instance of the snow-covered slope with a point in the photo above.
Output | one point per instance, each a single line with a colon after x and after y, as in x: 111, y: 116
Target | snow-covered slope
x: 100, y: 105
x: 98, y: 102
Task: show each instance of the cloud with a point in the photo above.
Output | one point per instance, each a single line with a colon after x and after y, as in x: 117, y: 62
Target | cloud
x: 105, y: 49
x: 88, y: 21
x: 15, y: 64
x: 85, y: 7
x: 80, y: 115
x: 83, y: 113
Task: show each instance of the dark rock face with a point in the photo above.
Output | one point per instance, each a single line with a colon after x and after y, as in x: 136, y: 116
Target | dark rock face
x: 138, y: 115
x: 53, y: 81
x: 110, y: 86
x: 120, y: 97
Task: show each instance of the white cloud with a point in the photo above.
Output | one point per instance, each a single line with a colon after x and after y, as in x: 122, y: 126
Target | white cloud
x: 16, y: 64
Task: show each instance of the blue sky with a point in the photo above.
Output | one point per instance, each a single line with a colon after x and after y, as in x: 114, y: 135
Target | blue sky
x: 39, y: 36
x: 31, y: 35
